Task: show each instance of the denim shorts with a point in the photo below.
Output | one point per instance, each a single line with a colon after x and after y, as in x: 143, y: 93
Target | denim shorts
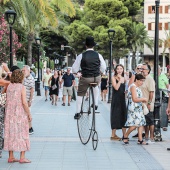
x: 46, y: 88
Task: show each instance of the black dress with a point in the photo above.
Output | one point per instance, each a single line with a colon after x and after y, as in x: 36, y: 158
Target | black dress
x: 104, y: 83
x: 55, y: 81
x: 118, y: 113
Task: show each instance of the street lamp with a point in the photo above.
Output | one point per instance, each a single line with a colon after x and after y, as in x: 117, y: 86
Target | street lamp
x: 157, y: 130
x: 111, y: 34
x: 10, y: 17
x: 38, y: 42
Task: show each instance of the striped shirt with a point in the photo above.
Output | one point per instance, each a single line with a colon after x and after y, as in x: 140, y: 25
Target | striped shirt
x: 29, y: 83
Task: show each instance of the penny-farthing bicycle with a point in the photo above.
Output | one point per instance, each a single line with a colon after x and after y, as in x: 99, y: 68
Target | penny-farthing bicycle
x: 86, y: 122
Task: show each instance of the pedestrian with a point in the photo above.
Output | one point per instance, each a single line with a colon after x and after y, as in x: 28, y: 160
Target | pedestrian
x: 135, y: 113
x: 68, y: 81
x: 17, y: 116
x: 60, y: 95
x: 3, y: 70
x: 148, y: 91
x: 104, y: 84
x: 118, y: 103
x: 29, y: 84
x: 168, y: 109
x: 163, y: 85
x: 32, y: 73
x: 54, y: 87
x: 91, y: 64
x: 138, y: 70
x: 47, y: 76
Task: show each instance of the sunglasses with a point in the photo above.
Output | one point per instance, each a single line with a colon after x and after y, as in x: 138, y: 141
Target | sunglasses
x: 141, y: 69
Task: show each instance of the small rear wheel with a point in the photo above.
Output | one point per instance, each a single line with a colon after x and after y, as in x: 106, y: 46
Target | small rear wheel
x: 95, y: 140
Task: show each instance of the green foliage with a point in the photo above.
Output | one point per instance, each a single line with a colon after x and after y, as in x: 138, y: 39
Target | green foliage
x: 132, y: 5
x: 100, y: 12
x: 76, y: 33
x: 41, y: 64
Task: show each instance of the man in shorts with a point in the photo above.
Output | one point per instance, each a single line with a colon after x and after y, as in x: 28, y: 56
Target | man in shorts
x: 29, y: 83
x: 92, y: 65
x: 148, y: 91
x: 69, y: 81
x: 47, y: 76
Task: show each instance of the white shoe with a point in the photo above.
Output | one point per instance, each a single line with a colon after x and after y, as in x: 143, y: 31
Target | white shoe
x: 150, y: 141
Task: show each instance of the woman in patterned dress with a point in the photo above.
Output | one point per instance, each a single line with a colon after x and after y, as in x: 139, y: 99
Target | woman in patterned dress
x: 135, y: 115
x: 17, y: 115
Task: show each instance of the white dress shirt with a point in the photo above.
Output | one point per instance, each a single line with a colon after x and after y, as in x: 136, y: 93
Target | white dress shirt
x: 76, y: 66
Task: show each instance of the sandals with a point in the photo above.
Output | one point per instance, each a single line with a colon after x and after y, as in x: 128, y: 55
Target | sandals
x: 115, y: 138
x: 142, y: 142
x: 123, y: 138
x: 12, y: 160
x: 24, y: 161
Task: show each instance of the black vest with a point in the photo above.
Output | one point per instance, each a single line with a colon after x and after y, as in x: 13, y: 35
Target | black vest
x: 90, y: 64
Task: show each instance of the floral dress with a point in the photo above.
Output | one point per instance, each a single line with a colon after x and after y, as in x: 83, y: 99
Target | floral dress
x: 135, y: 116
x: 16, y: 131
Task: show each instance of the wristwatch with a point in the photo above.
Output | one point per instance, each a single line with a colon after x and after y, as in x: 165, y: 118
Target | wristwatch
x: 149, y: 102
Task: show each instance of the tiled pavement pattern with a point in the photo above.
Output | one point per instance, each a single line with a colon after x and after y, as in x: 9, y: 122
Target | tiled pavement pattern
x: 55, y: 144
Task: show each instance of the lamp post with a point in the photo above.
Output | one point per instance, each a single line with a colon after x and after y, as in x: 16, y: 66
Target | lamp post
x: 111, y: 34
x: 38, y: 42
x: 10, y: 17
x: 157, y: 131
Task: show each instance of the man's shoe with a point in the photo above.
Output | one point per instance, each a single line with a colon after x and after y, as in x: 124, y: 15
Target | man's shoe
x: 135, y: 136
x: 63, y: 104
x: 164, y: 129
x: 95, y: 106
x: 45, y: 100
x: 150, y: 141
x: 31, y: 131
x: 77, y: 116
x: 168, y: 149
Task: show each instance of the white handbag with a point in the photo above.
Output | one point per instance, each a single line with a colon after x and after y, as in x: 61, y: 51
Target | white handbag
x: 145, y: 109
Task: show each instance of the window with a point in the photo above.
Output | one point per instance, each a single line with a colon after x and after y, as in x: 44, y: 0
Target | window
x: 151, y: 26
x: 167, y: 9
x: 167, y: 26
x: 151, y: 9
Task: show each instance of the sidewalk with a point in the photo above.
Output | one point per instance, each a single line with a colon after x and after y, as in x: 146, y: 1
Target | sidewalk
x: 55, y: 144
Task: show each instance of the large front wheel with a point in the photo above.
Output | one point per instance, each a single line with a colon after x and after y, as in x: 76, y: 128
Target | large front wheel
x: 84, y: 123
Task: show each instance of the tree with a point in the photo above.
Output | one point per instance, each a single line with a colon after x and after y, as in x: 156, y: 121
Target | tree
x: 4, y: 41
x: 37, y: 14
x: 98, y: 17
x: 133, y: 6
x: 137, y: 37
x: 166, y: 42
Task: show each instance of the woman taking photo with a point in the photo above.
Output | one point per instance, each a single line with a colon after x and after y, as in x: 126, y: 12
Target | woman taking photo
x: 118, y: 104
x: 135, y: 115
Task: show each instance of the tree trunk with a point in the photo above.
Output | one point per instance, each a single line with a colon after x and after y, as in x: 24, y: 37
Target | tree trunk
x: 30, y: 39
x: 133, y: 61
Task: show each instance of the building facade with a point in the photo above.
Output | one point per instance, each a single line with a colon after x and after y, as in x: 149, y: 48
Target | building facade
x: 164, y: 25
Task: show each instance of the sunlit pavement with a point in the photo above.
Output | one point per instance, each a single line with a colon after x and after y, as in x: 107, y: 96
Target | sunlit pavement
x: 55, y: 144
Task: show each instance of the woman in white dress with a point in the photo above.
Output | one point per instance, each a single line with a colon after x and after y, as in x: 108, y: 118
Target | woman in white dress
x: 135, y: 114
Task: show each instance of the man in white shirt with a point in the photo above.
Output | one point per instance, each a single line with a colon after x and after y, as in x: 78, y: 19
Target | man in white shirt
x: 47, y: 76
x: 92, y: 65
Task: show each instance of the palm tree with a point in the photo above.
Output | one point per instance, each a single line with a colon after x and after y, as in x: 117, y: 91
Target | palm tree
x: 138, y: 37
x: 166, y: 42
x: 36, y: 14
